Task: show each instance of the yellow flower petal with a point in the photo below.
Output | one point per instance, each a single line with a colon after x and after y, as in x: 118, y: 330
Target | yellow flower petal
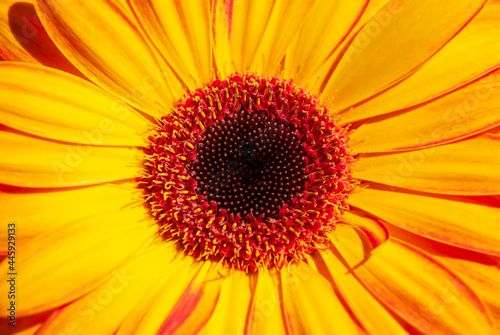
x: 196, y: 306
x: 182, y: 32
x: 479, y: 271
x: 468, y: 167
x: 311, y: 306
x: 30, y: 162
x: 417, y: 288
x: 36, y: 212
x: 266, y: 315
x: 385, y: 52
x: 372, y: 12
x: 232, y: 307
x: 23, y: 38
x: 103, y: 310
x: 100, y: 40
x: 467, y: 111
x: 375, y: 230
x: 482, y: 278
x: 472, y: 53
x: 50, y: 266
x: 370, y: 313
x: 451, y: 220
x: 492, y: 11
x: 181, y: 301
x: 253, y: 35
x: 326, y: 27
x: 55, y: 105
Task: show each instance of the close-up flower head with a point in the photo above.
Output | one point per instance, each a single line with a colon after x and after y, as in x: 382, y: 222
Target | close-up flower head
x: 239, y: 167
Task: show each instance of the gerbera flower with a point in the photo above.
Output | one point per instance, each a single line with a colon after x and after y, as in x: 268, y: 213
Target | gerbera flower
x: 250, y: 167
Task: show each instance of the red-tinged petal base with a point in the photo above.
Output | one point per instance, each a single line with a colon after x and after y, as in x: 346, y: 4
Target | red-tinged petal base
x: 248, y: 171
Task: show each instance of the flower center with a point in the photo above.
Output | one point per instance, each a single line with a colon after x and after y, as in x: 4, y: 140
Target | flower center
x: 250, y: 163
x: 248, y: 171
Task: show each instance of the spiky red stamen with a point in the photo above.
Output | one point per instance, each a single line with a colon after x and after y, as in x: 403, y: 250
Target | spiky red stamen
x: 248, y: 171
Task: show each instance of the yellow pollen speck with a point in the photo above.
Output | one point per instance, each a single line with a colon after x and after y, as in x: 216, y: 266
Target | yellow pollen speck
x: 202, y: 126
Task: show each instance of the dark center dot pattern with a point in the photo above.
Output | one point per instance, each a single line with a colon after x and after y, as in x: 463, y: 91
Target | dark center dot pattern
x: 250, y: 163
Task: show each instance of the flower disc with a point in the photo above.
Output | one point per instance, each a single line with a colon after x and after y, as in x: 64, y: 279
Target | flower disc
x: 248, y: 171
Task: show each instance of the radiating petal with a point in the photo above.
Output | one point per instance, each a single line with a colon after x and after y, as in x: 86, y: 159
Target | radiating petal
x: 471, y: 54
x: 375, y: 318
x: 458, y: 221
x: 233, y: 305
x: 31, y: 162
x: 326, y: 27
x: 50, y: 266
x: 479, y: 271
x: 492, y: 11
x: 181, y: 301
x: 482, y: 278
x: 468, y: 167
x: 35, y: 212
x: 197, y: 305
x: 253, y: 35
x: 374, y: 229
x: 384, y: 52
x: 311, y: 306
x: 182, y: 32
x: 55, y: 105
x: 23, y: 38
x: 103, y: 310
x: 464, y: 112
x: 266, y: 314
x: 101, y: 41
x: 419, y: 289
x: 375, y: 10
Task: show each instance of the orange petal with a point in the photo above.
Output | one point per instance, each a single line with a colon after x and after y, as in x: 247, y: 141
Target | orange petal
x: 375, y: 230
x: 375, y: 10
x: 107, y: 305
x: 492, y: 11
x: 419, y: 289
x: 468, y: 167
x: 33, y: 211
x: 55, y: 105
x: 386, y: 51
x: 482, y: 278
x: 253, y: 35
x: 374, y: 317
x: 478, y: 270
x: 196, y: 306
x: 181, y: 30
x: 464, y: 112
x: 471, y: 54
x: 463, y: 222
x: 31, y: 162
x: 23, y: 38
x: 232, y: 307
x: 326, y: 27
x: 101, y: 41
x: 266, y: 315
x: 50, y: 267
x: 311, y: 306
x: 181, y: 302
